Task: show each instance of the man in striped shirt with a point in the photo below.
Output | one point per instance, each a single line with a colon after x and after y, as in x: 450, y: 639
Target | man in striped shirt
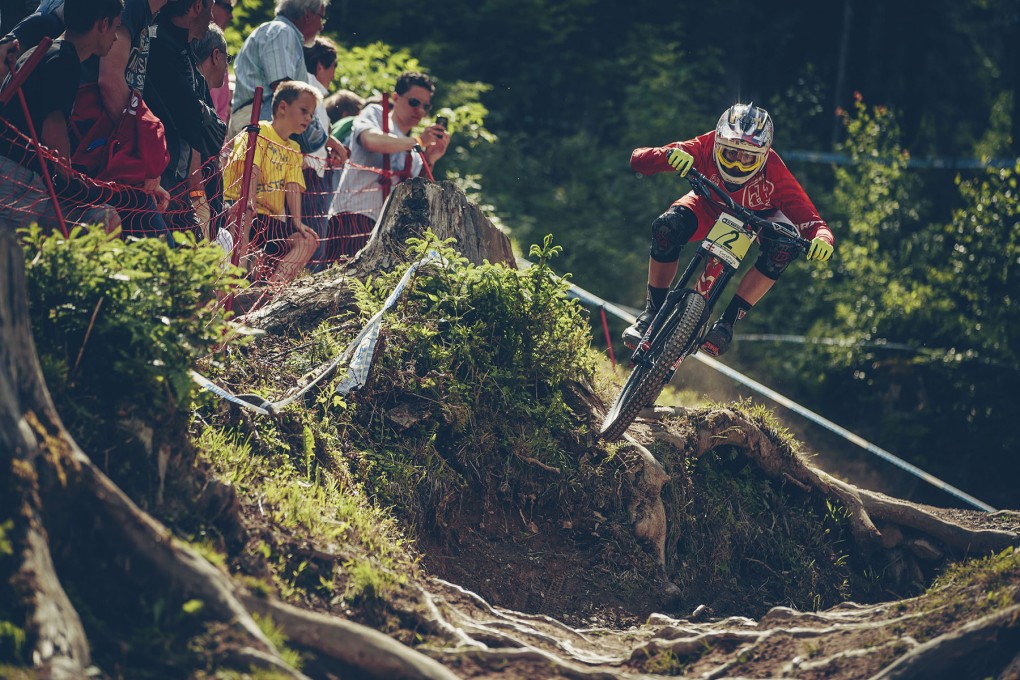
x: 273, y: 53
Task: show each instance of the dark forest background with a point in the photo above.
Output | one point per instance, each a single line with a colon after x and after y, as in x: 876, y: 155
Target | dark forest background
x: 897, y: 116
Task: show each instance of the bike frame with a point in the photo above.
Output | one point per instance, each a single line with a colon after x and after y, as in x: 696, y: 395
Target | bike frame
x: 710, y: 285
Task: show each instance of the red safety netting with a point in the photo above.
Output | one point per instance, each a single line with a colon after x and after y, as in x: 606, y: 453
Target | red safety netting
x: 209, y: 204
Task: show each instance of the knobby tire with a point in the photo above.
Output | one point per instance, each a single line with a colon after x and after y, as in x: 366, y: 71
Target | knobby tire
x: 646, y: 381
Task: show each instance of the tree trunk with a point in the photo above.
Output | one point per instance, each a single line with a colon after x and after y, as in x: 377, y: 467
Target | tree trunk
x: 30, y: 435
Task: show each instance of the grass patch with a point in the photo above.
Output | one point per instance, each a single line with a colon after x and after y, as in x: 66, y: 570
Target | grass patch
x: 328, y: 511
x: 743, y: 544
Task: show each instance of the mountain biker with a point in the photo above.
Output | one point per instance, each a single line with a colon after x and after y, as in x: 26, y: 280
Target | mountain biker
x: 738, y: 156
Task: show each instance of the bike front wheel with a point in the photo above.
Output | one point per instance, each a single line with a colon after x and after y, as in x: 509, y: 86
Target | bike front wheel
x: 647, y: 379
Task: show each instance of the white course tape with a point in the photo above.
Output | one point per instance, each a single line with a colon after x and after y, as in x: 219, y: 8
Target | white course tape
x: 357, y: 373
x: 207, y: 384
x: 596, y: 301
x: 362, y: 348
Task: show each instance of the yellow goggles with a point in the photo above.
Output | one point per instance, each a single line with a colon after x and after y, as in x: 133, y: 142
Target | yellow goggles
x: 735, y: 159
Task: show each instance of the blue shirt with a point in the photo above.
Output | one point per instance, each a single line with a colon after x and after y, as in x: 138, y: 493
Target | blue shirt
x: 274, y: 51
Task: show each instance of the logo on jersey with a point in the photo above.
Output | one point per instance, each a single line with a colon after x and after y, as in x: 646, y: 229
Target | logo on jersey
x: 758, y: 193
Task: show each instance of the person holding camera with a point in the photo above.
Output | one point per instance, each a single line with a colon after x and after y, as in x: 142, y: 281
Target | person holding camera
x: 383, y: 155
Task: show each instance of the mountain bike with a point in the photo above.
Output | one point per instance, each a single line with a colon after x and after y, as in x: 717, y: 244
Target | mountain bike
x: 680, y: 325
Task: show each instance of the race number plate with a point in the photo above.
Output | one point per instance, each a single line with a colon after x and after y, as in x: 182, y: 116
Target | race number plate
x: 727, y: 240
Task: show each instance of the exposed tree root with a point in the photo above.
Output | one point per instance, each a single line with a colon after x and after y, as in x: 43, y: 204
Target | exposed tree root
x: 177, y: 564
x: 50, y: 471
x: 61, y: 648
x: 725, y: 427
x: 248, y: 657
x: 845, y: 637
x: 947, y: 651
x: 721, y: 427
x: 351, y: 643
x: 647, y: 512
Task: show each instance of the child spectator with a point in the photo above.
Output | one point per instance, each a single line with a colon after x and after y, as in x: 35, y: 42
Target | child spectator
x: 342, y: 107
x: 278, y: 181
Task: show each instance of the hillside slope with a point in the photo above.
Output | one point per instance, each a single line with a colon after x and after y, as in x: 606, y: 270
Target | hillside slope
x: 458, y: 502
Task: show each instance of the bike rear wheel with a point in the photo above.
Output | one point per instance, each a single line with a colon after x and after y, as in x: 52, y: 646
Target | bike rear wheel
x: 647, y: 380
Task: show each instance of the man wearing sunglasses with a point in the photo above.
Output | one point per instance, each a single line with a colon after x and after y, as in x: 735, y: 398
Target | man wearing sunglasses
x: 367, y: 179
x: 738, y: 156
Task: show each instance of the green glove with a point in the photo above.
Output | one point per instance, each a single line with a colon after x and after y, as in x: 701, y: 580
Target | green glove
x: 820, y: 249
x: 680, y: 160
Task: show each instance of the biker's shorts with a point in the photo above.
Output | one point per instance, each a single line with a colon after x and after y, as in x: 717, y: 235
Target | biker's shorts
x: 680, y: 224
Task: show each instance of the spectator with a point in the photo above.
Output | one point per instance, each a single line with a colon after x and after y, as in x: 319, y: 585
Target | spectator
x: 278, y: 181
x: 142, y: 197
x: 274, y: 52
x: 358, y: 201
x: 344, y: 103
x: 342, y: 107
x: 28, y: 31
x: 175, y: 91
x: 211, y: 56
x: 222, y: 15
x: 117, y: 75
x: 321, y: 180
x: 49, y: 92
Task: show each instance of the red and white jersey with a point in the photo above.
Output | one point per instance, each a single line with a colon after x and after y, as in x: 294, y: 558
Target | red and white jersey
x: 773, y: 187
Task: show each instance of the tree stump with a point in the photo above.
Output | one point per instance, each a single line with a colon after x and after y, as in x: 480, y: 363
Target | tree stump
x: 414, y: 207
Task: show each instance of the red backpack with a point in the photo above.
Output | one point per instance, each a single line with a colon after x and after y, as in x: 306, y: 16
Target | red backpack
x: 129, y: 151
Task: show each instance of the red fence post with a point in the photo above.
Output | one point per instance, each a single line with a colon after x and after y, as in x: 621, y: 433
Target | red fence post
x: 241, y: 208
x: 609, y: 340
x: 14, y: 86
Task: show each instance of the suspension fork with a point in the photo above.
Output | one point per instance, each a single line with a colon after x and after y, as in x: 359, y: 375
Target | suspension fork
x: 712, y: 282
x: 710, y: 285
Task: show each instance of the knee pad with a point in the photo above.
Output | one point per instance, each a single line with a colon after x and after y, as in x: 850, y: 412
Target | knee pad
x: 670, y: 233
x: 774, y: 258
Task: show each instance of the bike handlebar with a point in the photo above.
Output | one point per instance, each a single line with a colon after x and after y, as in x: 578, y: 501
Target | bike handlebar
x: 703, y: 185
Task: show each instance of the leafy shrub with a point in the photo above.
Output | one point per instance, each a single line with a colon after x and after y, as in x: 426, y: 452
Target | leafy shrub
x: 479, y: 354
x: 119, y: 324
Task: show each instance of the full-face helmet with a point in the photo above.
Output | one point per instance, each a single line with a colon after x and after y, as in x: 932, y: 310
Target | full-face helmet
x: 743, y: 137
